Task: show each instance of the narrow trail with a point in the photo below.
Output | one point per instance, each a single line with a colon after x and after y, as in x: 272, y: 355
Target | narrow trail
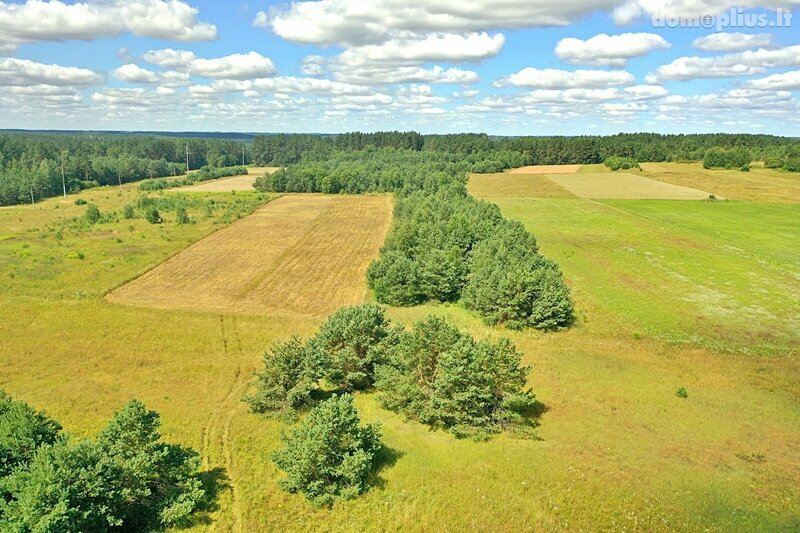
x: 217, y: 430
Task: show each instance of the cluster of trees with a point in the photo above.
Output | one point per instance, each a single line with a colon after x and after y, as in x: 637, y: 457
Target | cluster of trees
x: 624, y: 163
x: 432, y: 373
x: 203, y: 174
x: 722, y: 158
x: 448, y: 246
x: 36, y: 166
x: 125, y: 479
x: 785, y: 158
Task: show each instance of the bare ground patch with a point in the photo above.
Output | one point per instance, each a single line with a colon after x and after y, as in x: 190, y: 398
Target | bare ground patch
x: 305, y: 254
x: 621, y: 185
x: 232, y: 183
x: 546, y: 169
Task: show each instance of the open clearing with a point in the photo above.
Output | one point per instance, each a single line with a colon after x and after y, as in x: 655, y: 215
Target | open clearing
x: 305, y: 254
x: 668, y: 294
x: 546, y: 169
x: 621, y: 185
x: 232, y: 183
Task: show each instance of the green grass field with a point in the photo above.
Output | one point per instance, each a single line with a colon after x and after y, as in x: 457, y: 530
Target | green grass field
x: 669, y: 294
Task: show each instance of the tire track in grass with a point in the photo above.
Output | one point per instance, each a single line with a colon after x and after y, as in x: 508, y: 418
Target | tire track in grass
x: 218, y: 427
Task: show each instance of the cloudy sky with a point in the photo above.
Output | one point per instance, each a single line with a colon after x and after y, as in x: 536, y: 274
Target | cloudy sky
x: 509, y: 67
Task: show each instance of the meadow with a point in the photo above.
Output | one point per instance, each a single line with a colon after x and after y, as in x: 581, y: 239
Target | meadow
x: 668, y: 293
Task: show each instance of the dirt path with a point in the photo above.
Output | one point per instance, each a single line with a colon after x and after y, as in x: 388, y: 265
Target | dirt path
x: 217, y: 431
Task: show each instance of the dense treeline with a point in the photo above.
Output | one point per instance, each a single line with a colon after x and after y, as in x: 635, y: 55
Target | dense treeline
x: 641, y: 147
x: 36, y: 166
x: 125, y: 479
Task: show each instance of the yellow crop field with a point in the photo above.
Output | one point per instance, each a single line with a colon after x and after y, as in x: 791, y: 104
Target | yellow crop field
x: 546, y: 169
x: 520, y: 185
x: 620, y: 185
x: 305, y: 254
x: 233, y: 183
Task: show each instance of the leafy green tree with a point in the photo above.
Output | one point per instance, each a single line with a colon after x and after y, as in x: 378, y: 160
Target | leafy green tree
x: 395, y: 280
x: 161, y: 487
x: 346, y: 345
x: 65, y: 487
x: 22, y: 431
x: 286, y: 382
x: 445, y: 379
x: 329, y: 455
x: 128, y: 212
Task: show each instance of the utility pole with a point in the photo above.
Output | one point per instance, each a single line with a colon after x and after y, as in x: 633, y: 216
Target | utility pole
x: 187, y: 157
x: 63, y: 179
x: 243, y: 155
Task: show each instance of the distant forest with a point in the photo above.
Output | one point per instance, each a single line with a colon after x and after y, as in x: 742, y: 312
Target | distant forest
x: 34, y: 166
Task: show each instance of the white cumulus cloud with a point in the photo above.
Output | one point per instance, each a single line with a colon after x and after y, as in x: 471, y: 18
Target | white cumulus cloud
x: 565, y: 79
x: 608, y: 50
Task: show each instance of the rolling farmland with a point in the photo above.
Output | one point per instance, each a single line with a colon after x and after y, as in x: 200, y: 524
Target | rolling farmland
x: 304, y: 254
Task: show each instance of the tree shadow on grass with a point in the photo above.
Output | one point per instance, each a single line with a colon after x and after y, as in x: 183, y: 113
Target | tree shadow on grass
x: 213, y: 482
x: 384, y: 458
x: 530, y: 420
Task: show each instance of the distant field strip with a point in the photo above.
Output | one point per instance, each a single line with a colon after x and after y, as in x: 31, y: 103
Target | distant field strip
x: 546, y: 169
x: 233, y: 183
x: 618, y: 185
x: 305, y: 254
x: 518, y: 186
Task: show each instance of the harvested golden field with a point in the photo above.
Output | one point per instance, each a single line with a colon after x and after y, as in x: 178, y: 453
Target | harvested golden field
x: 620, y: 185
x: 519, y: 186
x: 302, y: 254
x: 546, y: 169
x: 758, y: 185
x: 233, y: 183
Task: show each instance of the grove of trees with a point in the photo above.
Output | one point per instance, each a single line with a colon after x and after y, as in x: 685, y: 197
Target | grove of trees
x: 432, y: 373
x: 124, y: 479
x: 35, y: 166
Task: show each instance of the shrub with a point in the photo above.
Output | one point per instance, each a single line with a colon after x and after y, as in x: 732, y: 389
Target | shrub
x: 617, y: 163
x: 80, y: 201
x: 329, y: 455
x: 745, y: 168
x: 792, y: 165
x: 128, y: 212
x: 285, y: 384
x: 682, y: 393
x: 152, y: 215
x: 346, y: 345
x: 445, y: 379
x: 182, y: 216
x: 92, y: 214
x: 773, y: 162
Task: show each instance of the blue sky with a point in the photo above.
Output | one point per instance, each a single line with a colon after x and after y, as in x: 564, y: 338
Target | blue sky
x: 513, y: 67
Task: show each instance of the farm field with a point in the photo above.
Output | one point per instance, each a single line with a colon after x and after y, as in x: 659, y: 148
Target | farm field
x: 665, y: 299
x: 232, y: 183
x: 622, y: 185
x: 301, y: 253
x: 546, y: 169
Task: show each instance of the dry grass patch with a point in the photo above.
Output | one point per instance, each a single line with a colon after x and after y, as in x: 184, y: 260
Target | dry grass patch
x: 546, y: 169
x: 620, y: 185
x: 305, y: 254
x: 758, y: 185
x: 232, y: 183
x: 517, y: 186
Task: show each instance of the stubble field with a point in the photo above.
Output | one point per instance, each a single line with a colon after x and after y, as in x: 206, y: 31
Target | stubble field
x: 304, y: 254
